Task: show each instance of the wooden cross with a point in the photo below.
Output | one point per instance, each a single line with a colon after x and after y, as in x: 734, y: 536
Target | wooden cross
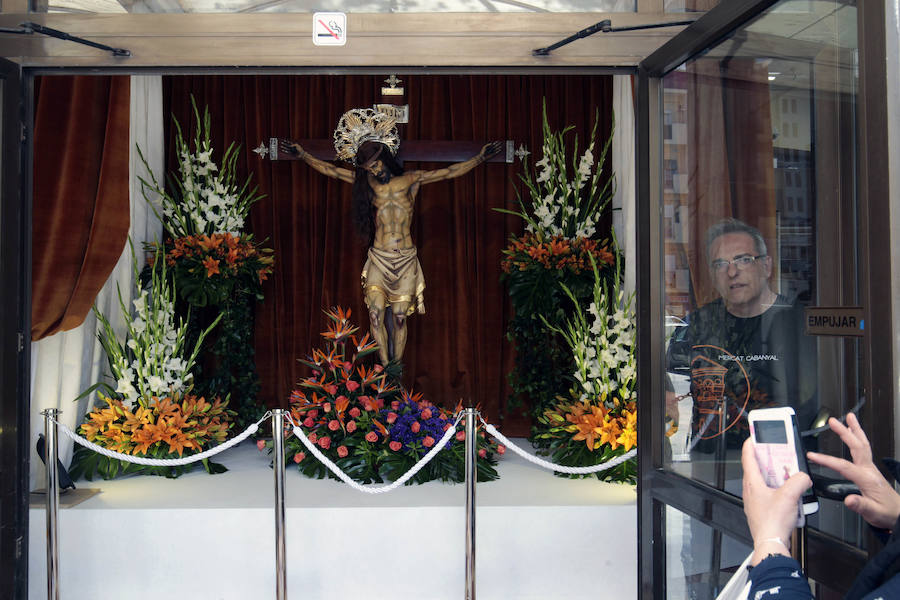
x: 412, y: 151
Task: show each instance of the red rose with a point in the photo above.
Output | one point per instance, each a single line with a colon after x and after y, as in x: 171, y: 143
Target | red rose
x: 371, y: 437
x: 395, y: 404
x: 298, y: 458
x: 327, y: 406
x: 313, y: 437
x: 308, y: 422
x: 426, y: 414
x: 415, y: 427
x: 391, y: 417
x: 261, y: 444
x: 460, y: 435
x: 351, y: 426
x: 395, y: 445
x: 334, y: 425
x: 325, y: 443
x: 342, y: 451
x: 355, y: 412
x: 482, y: 453
x: 330, y: 389
x: 428, y: 442
x: 352, y: 386
x: 313, y: 414
x: 501, y: 449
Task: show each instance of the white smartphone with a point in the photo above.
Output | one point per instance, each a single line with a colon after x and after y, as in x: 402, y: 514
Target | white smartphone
x: 779, y: 452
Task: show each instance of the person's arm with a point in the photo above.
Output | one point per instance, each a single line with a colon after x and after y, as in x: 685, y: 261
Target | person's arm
x: 878, y: 503
x: 771, y: 512
x: 325, y: 168
x: 460, y: 168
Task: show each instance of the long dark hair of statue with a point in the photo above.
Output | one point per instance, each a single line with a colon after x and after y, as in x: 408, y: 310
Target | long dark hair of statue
x: 363, y: 210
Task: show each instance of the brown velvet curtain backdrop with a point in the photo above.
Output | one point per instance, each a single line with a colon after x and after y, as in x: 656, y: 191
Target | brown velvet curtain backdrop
x: 730, y: 158
x: 81, y: 214
x: 457, y: 350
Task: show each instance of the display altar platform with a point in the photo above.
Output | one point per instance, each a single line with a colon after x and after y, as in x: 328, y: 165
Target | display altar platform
x: 212, y: 537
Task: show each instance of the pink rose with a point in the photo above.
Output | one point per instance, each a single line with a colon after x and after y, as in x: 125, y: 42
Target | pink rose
x: 447, y: 426
x: 395, y: 404
x: 313, y: 414
x: 426, y: 414
x: 331, y: 390
x: 334, y: 425
x: 352, y: 386
x: 415, y: 427
x: 308, y: 422
x: 428, y: 442
x: 501, y: 449
x: 313, y: 437
x: 342, y: 451
x: 261, y: 444
x: 395, y: 445
x: 371, y: 437
x: 351, y: 426
x: 366, y: 402
x: 325, y: 443
x: 391, y: 417
x: 355, y: 412
x: 378, y: 368
x: 460, y: 435
x: 298, y: 458
x: 482, y: 453
x: 327, y: 406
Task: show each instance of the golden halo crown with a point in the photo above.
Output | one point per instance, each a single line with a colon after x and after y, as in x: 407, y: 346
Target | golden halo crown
x: 360, y: 125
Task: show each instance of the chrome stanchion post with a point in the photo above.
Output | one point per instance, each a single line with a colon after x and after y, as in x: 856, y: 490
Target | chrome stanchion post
x: 471, y: 478
x: 52, y: 479
x: 278, y: 440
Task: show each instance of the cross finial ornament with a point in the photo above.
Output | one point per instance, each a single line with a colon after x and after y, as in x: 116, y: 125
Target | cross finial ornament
x: 261, y: 150
x: 393, y: 80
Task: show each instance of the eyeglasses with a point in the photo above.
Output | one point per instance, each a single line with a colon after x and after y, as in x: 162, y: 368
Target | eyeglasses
x: 740, y: 262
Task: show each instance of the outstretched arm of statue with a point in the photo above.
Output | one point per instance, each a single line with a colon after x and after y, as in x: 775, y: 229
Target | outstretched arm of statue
x: 325, y: 168
x: 461, y: 168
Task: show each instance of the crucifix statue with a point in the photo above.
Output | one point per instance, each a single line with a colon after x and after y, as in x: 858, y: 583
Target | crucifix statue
x: 384, y: 196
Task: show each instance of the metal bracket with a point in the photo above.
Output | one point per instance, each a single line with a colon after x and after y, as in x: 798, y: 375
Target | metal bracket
x: 29, y: 28
x: 604, y: 26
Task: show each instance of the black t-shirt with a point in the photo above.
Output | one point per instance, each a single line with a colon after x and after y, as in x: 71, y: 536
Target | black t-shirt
x: 739, y: 364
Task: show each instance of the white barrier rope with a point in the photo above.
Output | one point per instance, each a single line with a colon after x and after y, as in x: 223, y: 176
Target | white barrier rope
x: 368, y: 489
x: 554, y: 467
x: 164, y: 462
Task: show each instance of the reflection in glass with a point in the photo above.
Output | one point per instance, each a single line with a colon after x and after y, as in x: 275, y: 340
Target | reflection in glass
x: 757, y: 179
x: 307, y: 6
x: 699, y: 560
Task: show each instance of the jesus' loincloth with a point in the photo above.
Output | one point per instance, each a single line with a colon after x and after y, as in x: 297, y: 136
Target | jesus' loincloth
x: 396, y: 275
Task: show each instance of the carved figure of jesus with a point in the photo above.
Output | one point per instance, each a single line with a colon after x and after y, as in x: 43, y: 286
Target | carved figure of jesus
x: 384, y: 196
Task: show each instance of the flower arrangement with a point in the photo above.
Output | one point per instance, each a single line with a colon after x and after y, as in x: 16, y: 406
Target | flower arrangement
x: 206, y: 268
x: 561, y: 205
x: 154, y: 360
x: 201, y: 199
x: 217, y: 269
x: 158, y: 428
x: 601, y: 422
x: 531, y: 252
x: 368, y: 425
x: 152, y: 411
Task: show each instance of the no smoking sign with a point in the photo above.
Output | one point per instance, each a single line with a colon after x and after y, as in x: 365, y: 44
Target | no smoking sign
x: 329, y: 29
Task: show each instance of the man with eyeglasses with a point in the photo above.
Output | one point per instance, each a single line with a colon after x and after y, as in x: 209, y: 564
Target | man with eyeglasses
x: 747, y: 349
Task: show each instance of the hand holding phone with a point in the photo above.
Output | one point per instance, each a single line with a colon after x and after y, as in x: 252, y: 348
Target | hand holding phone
x: 776, y: 441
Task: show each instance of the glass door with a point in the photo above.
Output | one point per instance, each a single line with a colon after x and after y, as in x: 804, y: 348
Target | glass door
x: 14, y: 413
x: 753, y: 232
